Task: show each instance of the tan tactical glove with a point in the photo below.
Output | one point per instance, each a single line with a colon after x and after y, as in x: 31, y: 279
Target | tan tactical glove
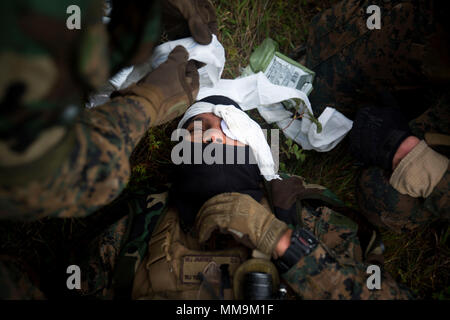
x: 168, y: 90
x: 247, y: 220
x: 200, y: 16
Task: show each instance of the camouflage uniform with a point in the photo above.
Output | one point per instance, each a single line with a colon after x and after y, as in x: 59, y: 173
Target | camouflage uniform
x: 115, y: 255
x: 47, y: 69
x: 355, y: 65
x: 386, y: 207
x: 336, y: 269
x: 57, y: 158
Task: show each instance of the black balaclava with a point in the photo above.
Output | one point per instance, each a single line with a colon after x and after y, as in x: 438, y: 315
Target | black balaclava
x: 194, y: 184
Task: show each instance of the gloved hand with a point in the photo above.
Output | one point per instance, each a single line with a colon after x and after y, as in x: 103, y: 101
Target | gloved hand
x: 376, y: 135
x: 169, y: 89
x: 199, y: 14
x: 243, y: 217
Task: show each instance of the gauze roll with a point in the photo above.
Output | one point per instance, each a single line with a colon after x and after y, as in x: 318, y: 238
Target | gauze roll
x: 243, y: 128
x: 250, y: 92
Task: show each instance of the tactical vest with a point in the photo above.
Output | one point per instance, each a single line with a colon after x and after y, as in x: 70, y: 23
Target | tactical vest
x: 176, y: 267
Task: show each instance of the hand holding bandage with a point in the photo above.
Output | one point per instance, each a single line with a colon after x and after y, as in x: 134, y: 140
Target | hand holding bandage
x: 168, y: 90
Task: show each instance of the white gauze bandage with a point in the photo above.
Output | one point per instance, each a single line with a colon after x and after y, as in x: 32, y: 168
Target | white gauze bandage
x: 243, y: 128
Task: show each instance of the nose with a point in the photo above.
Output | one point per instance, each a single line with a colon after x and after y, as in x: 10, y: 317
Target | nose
x: 213, y: 135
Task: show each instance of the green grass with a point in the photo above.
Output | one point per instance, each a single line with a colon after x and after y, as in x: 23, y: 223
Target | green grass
x: 420, y: 260
x: 243, y: 24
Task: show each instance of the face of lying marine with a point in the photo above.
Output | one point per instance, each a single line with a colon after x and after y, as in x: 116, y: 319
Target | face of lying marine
x: 206, y: 128
x: 193, y: 184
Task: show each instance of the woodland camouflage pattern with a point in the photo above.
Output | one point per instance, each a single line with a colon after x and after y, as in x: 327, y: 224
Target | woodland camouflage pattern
x: 125, y: 242
x: 89, y: 166
x: 47, y: 67
x: 46, y: 71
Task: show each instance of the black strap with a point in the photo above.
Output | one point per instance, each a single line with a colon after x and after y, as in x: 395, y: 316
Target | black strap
x: 303, y: 243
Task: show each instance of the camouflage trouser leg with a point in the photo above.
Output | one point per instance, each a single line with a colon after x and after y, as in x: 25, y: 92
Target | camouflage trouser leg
x: 354, y: 65
x: 385, y: 207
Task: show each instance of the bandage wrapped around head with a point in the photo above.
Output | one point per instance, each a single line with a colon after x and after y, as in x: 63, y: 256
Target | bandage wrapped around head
x: 239, y: 126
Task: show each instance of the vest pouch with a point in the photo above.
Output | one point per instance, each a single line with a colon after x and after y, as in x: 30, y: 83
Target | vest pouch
x: 176, y: 267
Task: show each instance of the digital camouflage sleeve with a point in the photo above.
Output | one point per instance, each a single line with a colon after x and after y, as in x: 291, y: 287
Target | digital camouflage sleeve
x: 57, y: 158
